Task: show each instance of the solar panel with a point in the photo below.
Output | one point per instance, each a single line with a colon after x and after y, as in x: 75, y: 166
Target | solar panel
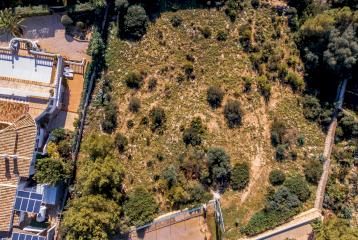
x: 28, y: 202
x: 22, y: 236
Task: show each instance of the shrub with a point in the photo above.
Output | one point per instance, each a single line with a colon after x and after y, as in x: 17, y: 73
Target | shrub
x: 96, y: 46
x: 121, y: 142
x: 130, y: 124
x: 189, y: 70
x: 298, y: 186
x: 248, y: 84
x: 140, y: 208
x: 51, y: 171
x: 219, y: 166
x: 301, y: 140
x: 349, y: 126
x: 206, y: 31
x: 245, y: 36
x: 65, y: 149
x: 135, y: 22
x: 215, y: 96
x: 193, y: 134
x: 222, y: 36
x: 278, y: 131
x: 109, y: 121
x: 313, y: 171
x: 92, y: 216
x: 66, y: 21
x: 152, y: 84
x: 170, y: 176
x: 240, y: 176
x: 134, y: 104
x: 134, y: 80
x: 277, y: 177
x: 282, y: 200
x: 297, y: 83
x: 58, y: 135
x: 281, y: 152
x: 264, y: 87
x: 311, y: 108
x: 158, y: 118
x: 80, y: 25
x: 255, y: 3
x: 233, y: 113
x: 176, y: 21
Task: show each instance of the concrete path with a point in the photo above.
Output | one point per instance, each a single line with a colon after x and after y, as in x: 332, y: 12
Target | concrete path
x: 328, y: 148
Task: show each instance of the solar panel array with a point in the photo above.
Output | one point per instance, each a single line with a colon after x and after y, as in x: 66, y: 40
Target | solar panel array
x: 22, y: 236
x: 28, y: 202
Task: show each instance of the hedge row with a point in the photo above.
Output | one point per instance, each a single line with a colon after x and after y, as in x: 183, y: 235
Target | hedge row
x: 42, y: 10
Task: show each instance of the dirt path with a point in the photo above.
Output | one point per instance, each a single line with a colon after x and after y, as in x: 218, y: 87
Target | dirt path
x: 259, y: 160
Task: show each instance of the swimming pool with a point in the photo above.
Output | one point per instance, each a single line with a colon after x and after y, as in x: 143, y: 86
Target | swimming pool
x: 26, y: 68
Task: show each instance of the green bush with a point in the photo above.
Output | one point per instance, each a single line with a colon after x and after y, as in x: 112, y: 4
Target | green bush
x: 193, y: 134
x: 297, y: 83
x: 214, y: 96
x: 281, y: 152
x: 121, y: 142
x: 152, y: 84
x: 96, y: 46
x: 349, y: 126
x: 66, y: 20
x: 255, y: 3
x: 80, y: 25
x: 298, y: 186
x: 189, y: 70
x: 264, y: 220
x: 109, y: 121
x: 222, y: 36
x: 233, y: 113
x: 170, y: 176
x: 277, y: 177
x: 240, y: 176
x: 278, y: 131
x: 140, y: 208
x: 245, y: 36
x: 134, y: 80
x: 282, y: 200
x: 51, y: 171
x: 206, y: 31
x: 311, y: 107
x: 91, y: 217
x: 264, y: 86
x: 64, y: 149
x: 176, y: 21
x: 32, y: 11
x: 58, y: 135
x: 248, y: 84
x: 158, y: 118
x: 219, y: 166
x: 134, y: 104
x: 313, y: 171
x: 135, y: 22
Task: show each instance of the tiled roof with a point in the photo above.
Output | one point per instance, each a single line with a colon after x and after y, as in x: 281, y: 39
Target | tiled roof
x: 11, y: 111
x: 7, y: 198
x: 17, y: 140
x: 17, y: 143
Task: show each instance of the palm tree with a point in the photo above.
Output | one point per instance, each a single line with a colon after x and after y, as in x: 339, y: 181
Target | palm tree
x: 10, y: 22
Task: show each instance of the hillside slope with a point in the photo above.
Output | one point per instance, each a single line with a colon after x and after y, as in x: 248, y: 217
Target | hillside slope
x: 164, y: 54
